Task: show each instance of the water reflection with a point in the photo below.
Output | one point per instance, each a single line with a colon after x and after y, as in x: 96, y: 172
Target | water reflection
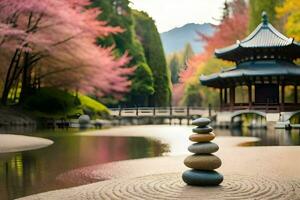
x: 275, y: 137
x: 35, y: 171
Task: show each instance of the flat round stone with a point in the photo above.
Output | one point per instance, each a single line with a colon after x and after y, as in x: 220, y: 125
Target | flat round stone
x: 201, y: 122
x: 203, y: 162
x: 201, y: 130
x: 202, y: 178
x: 203, y: 148
x: 202, y: 137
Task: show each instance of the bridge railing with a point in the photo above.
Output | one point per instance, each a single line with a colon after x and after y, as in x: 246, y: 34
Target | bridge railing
x: 160, y: 111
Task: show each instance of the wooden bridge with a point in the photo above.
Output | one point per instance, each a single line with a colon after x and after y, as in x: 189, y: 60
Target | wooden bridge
x: 161, y: 113
x: 223, y: 118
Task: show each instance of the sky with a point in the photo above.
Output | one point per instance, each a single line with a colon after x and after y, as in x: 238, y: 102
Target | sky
x: 169, y: 14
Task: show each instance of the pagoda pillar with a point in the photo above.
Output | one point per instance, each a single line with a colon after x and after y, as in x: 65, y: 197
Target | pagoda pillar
x: 250, y: 95
x: 221, y: 98
x: 282, y: 96
x: 232, y: 97
x: 225, y: 96
x: 295, y: 94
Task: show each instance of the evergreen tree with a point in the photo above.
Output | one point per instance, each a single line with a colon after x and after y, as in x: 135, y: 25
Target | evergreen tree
x: 188, y: 52
x: 178, y: 62
x: 174, y: 68
x: 149, y: 37
x: 118, y: 13
x: 192, y: 97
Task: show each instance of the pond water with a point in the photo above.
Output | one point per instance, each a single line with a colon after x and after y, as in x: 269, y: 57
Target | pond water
x: 35, y: 171
x: 276, y: 137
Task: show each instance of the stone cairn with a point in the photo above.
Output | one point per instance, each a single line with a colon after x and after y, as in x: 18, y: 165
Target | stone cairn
x: 202, y: 162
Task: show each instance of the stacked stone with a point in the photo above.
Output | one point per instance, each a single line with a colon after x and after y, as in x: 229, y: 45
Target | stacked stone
x: 202, y: 163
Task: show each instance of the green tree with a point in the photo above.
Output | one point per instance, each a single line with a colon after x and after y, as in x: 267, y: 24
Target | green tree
x: 187, y: 53
x: 192, y: 96
x: 143, y: 84
x: 174, y: 66
x: 179, y: 61
x: 118, y: 13
x: 257, y: 7
x: 150, y: 39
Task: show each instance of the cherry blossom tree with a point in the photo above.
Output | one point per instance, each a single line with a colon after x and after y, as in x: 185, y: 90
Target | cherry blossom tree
x: 53, y: 43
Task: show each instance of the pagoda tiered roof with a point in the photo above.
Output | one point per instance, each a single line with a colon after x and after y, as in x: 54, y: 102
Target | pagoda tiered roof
x: 270, y: 71
x: 263, y: 43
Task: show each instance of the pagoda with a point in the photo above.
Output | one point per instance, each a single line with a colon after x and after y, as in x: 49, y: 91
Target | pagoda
x: 264, y: 70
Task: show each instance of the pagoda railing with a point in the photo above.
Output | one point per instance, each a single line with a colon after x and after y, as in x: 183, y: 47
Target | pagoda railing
x: 269, y: 107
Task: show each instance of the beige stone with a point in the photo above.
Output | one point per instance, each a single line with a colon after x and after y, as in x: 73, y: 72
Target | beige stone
x: 202, y: 137
x: 203, y: 162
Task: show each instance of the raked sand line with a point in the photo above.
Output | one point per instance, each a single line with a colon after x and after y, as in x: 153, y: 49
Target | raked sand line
x: 16, y: 143
x: 170, y: 187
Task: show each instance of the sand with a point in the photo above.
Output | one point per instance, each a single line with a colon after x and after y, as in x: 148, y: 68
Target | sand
x: 249, y: 173
x: 16, y: 143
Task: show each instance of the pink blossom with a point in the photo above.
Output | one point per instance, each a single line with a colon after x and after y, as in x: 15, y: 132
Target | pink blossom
x: 62, y: 34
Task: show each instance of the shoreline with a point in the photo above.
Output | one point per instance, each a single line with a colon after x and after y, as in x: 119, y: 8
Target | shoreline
x: 16, y: 143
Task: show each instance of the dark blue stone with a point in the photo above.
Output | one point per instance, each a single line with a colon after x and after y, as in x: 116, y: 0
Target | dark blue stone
x: 202, y: 178
x: 203, y: 130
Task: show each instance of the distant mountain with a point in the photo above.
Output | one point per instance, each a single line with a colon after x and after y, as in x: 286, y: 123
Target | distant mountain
x: 175, y: 39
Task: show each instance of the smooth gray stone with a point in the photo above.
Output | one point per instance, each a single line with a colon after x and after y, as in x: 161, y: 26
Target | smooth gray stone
x: 202, y: 178
x: 84, y: 119
x: 201, y: 122
x: 203, y: 148
x: 206, y: 129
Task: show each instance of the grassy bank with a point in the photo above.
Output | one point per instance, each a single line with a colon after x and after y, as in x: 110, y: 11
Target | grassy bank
x: 56, y: 104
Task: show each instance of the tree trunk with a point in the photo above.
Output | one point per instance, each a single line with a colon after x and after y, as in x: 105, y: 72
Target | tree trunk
x: 10, y: 76
x: 4, y: 96
x: 25, y: 89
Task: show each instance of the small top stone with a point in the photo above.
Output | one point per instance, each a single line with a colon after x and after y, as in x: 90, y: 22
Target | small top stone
x: 201, y: 122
